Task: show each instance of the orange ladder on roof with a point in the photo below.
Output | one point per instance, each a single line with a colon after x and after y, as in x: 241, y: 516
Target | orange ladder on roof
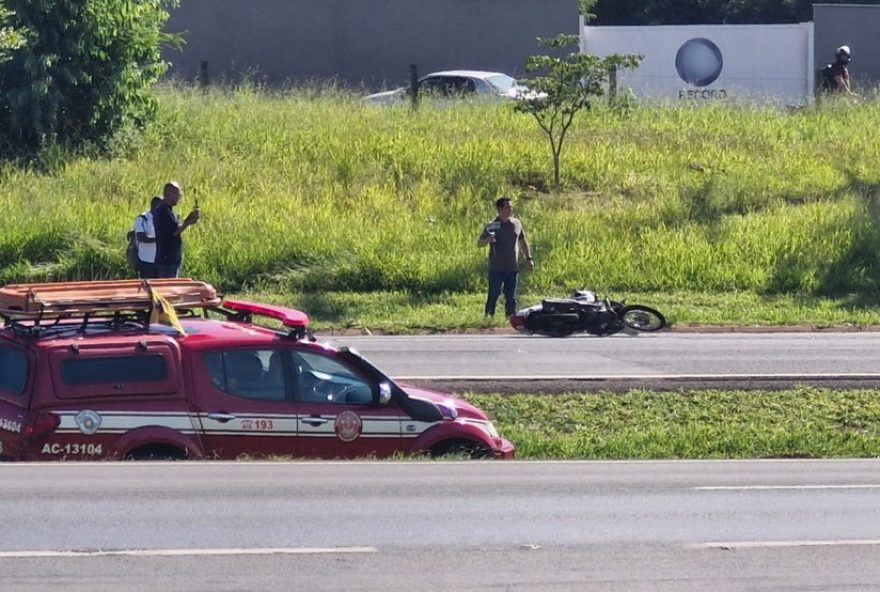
x: 86, y: 297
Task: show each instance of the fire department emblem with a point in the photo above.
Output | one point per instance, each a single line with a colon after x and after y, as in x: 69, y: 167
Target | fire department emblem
x: 88, y: 421
x: 348, y: 426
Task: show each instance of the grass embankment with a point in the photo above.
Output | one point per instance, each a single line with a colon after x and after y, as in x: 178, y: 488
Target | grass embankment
x: 368, y: 216
x: 802, y: 422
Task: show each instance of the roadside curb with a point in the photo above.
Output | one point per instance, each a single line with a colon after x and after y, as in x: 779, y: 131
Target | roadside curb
x: 622, y: 384
x: 672, y: 329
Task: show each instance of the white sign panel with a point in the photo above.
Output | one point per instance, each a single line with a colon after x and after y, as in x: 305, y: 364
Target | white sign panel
x: 697, y: 62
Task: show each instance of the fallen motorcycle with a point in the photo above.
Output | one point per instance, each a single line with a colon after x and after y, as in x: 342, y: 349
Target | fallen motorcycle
x: 584, y: 312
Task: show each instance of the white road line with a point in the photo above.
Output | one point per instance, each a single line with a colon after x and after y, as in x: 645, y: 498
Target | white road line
x: 599, y: 377
x: 782, y: 487
x: 185, y: 552
x: 760, y: 544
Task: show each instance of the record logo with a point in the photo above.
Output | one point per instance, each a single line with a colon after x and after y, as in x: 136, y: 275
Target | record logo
x: 699, y: 61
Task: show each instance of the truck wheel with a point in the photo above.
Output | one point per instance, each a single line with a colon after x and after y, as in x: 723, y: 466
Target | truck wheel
x: 464, y: 448
x: 156, y: 452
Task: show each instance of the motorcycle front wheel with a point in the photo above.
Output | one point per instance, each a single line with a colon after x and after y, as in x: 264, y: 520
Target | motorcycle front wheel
x: 642, y: 318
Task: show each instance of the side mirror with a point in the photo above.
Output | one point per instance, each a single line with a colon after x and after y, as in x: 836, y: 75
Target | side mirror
x: 384, y: 393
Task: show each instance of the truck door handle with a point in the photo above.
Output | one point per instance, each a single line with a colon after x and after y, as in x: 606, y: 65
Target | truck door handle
x: 314, y: 420
x: 222, y: 417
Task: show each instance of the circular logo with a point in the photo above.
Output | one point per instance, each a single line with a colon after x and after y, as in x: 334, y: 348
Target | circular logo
x: 699, y: 62
x: 88, y: 421
x: 348, y: 426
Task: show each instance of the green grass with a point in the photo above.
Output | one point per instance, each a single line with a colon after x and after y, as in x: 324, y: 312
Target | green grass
x: 368, y: 217
x: 801, y: 422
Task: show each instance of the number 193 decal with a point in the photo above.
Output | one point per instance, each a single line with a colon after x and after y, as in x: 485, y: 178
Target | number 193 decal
x: 257, y: 424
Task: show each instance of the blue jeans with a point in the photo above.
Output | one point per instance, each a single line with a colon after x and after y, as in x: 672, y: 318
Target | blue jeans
x: 497, y: 280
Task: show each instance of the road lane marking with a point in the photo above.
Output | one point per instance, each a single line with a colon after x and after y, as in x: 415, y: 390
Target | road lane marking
x: 782, y: 487
x: 768, y: 544
x: 185, y: 552
x: 599, y: 377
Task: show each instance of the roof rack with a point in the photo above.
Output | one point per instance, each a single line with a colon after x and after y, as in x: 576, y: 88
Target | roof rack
x: 64, y: 300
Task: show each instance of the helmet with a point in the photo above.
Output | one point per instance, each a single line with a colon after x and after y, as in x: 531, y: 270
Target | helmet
x: 584, y: 295
x: 843, y: 54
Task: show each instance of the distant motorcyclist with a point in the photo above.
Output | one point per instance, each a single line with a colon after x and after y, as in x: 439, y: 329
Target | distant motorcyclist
x: 835, y: 77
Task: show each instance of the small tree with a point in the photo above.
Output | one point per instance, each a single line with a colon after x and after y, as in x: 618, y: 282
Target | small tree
x: 82, y: 72
x: 567, y: 86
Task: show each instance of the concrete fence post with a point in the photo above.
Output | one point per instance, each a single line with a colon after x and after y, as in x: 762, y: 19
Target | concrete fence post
x: 204, y: 81
x: 612, y: 83
x: 414, y: 85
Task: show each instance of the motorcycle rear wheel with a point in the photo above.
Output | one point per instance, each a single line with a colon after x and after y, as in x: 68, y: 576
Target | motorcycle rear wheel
x: 642, y: 318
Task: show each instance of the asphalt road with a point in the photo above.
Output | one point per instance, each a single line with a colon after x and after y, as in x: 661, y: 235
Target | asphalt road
x: 663, y: 360
x: 647, y: 526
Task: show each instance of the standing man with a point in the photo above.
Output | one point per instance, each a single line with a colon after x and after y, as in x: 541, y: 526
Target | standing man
x: 835, y: 77
x: 505, y: 237
x: 169, y: 244
x: 145, y: 235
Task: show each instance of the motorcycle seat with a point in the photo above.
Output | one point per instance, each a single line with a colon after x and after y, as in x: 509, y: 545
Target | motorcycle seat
x: 560, y: 305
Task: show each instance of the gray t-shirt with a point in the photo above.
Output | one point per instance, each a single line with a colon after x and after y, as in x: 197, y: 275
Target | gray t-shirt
x: 503, y: 254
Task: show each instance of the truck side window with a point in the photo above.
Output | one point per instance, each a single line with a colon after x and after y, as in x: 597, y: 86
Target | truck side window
x: 321, y: 379
x: 250, y: 374
x: 114, y: 369
x: 13, y: 370
x: 214, y: 362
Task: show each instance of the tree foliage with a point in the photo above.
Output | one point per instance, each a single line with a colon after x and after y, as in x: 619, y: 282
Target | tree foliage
x: 707, y: 12
x: 9, y: 38
x: 565, y: 85
x: 82, y: 72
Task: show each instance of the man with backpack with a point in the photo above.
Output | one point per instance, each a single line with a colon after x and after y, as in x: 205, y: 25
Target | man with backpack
x: 835, y: 77
x: 145, y: 239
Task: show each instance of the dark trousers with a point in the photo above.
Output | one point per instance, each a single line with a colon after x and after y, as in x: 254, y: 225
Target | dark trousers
x: 147, y: 271
x: 167, y: 271
x: 497, y: 281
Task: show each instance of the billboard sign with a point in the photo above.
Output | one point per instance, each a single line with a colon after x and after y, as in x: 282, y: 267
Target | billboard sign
x: 705, y: 62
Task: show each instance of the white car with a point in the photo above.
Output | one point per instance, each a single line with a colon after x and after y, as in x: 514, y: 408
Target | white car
x: 455, y: 84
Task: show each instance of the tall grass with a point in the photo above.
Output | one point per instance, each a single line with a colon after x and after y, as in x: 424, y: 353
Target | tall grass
x: 308, y: 191
x: 799, y: 422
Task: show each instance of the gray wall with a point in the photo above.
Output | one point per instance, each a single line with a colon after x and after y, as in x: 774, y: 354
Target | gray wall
x: 361, y: 41
x: 856, y: 25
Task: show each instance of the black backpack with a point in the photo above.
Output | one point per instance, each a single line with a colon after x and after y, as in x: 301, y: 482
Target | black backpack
x: 828, y: 82
x: 131, y: 251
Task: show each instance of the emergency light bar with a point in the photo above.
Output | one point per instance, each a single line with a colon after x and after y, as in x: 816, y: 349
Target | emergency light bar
x: 295, y: 320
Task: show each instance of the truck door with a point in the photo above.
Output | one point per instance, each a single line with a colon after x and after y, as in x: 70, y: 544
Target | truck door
x: 14, y: 399
x: 338, y: 410
x: 243, y: 403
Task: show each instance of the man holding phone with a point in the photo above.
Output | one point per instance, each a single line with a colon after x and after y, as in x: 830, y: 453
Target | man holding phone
x: 169, y: 227
x: 505, y: 237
